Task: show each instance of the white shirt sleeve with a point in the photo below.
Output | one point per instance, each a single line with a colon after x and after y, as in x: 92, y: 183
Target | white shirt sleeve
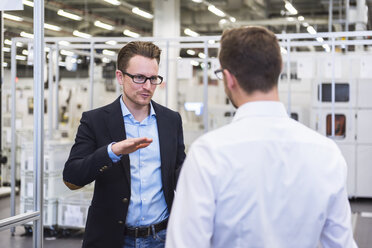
x: 192, y: 215
x: 337, y: 228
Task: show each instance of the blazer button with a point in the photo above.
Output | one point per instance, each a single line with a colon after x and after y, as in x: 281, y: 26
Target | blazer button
x: 125, y: 200
x: 120, y: 222
x: 101, y: 170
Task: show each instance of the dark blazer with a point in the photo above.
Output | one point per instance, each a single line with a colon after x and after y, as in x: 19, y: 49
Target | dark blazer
x: 89, y: 161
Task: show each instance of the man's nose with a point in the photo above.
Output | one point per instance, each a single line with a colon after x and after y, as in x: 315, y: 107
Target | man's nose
x: 147, y: 84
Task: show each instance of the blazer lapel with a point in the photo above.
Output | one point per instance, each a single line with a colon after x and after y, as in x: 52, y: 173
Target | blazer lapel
x: 163, y: 138
x: 116, y: 127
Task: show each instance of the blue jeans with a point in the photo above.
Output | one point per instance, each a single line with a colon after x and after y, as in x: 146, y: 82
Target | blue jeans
x: 156, y: 240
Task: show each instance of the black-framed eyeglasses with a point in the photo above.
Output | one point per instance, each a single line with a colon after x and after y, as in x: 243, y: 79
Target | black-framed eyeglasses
x: 219, y: 73
x: 141, y: 79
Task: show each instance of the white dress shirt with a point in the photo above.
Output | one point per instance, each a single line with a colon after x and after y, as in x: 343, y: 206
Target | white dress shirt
x: 264, y: 180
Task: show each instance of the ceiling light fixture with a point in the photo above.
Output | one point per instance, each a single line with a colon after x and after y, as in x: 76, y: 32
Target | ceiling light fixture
x: 111, y: 42
x: 201, y: 55
x: 222, y: 22
x: 311, y: 30
x: 52, y: 27
x: 103, y: 25
x: 67, y: 53
x: 106, y: 60
x: 232, y: 19
x: 27, y: 35
x: 81, y: 34
x: 6, y: 49
x: 197, y: 1
x: 64, y: 43
x: 69, y: 15
x: 216, y: 11
x: 327, y: 48
x: 113, y: 2
x: 25, y: 52
x: 189, y: 32
x: 5, y: 64
x: 108, y: 52
x: 301, y: 18
x: 292, y: 10
x: 7, y: 42
x: 129, y: 33
x: 28, y: 3
x: 12, y: 17
x: 194, y: 63
x: 190, y: 52
x: 142, y: 13
x: 320, y: 39
x: 20, y: 57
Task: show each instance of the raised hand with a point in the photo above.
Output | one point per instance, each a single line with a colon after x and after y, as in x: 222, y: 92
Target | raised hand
x: 130, y: 145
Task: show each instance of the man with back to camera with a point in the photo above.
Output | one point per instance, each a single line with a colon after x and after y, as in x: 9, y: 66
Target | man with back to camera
x: 133, y: 149
x: 264, y: 180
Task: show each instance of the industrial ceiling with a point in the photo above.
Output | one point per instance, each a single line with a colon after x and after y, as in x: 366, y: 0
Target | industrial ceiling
x: 109, y: 18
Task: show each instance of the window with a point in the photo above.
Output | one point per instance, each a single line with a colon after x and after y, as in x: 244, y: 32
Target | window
x: 342, y: 92
x: 340, y: 125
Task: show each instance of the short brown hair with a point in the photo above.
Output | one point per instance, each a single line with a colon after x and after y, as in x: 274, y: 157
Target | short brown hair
x: 252, y: 55
x: 133, y: 48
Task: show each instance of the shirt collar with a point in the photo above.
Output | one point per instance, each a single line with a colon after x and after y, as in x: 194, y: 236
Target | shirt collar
x: 125, y: 111
x: 261, y: 108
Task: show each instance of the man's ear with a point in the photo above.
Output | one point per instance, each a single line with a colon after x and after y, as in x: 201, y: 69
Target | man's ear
x: 231, y: 81
x: 119, y: 77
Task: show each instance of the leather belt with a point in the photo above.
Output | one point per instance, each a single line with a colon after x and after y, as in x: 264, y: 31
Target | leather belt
x: 138, y: 232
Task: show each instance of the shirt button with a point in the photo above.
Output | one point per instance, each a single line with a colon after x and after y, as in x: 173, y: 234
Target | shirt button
x: 125, y: 200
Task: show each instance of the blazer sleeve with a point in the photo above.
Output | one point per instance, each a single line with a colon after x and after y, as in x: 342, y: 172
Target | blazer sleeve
x: 180, y: 149
x: 86, y: 160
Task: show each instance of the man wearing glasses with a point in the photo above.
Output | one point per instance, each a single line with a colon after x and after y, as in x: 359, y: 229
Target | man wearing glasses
x: 133, y: 149
x: 264, y: 180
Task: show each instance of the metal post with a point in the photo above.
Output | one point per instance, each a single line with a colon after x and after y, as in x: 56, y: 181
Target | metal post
x: 330, y: 18
x: 289, y: 98
x: 50, y: 95
x: 167, y: 75
x: 205, y: 84
x: 56, y: 107
x: 13, y: 132
x: 1, y: 84
x: 91, y: 74
x: 347, y: 6
x: 333, y: 88
x: 38, y: 120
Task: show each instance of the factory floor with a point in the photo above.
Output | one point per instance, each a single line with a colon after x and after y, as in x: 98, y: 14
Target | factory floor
x: 361, y: 219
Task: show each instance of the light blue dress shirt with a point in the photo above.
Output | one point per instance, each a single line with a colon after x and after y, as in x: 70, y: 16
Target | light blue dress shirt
x: 147, y: 203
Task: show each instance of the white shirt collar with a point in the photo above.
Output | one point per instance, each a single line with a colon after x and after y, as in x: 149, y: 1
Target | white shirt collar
x: 260, y: 108
x: 125, y: 111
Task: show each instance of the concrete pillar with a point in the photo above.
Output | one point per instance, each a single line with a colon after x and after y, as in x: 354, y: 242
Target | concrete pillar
x: 167, y: 25
x: 361, y: 19
x: 362, y: 16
